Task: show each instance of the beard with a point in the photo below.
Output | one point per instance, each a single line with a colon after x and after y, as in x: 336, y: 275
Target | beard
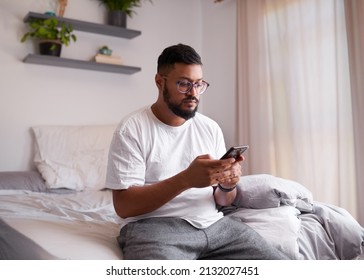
x: 177, y: 108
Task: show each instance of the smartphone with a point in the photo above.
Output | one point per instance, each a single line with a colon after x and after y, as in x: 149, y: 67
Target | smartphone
x: 235, y: 152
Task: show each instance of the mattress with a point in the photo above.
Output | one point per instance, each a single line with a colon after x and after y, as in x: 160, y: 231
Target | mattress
x: 76, y: 225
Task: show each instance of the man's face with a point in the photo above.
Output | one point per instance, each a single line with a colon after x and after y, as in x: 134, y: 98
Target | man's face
x: 184, y: 105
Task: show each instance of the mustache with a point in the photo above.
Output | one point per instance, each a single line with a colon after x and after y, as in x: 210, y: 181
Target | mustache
x: 191, y: 98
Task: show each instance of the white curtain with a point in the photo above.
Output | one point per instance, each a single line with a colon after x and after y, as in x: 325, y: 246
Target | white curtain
x: 294, y: 96
x: 355, y: 28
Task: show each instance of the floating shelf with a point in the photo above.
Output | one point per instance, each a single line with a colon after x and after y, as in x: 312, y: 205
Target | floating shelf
x: 79, y: 64
x: 108, y: 30
x: 91, y: 27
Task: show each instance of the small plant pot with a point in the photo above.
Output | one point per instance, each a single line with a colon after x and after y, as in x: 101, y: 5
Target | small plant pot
x: 117, y: 18
x: 52, y: 48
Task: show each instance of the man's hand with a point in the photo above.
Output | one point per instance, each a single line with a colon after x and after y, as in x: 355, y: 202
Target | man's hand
x: 226, y: 198
x: 232, y: 174
x: 205, y: 171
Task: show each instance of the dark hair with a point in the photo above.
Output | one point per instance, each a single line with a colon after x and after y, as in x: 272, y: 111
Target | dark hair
x: 177, y: 54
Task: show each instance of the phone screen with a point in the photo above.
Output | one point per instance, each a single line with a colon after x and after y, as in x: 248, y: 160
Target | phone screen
x: 235, y: 152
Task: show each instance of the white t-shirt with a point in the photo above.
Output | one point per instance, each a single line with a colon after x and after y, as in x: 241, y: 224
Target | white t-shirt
x: 144, y: 151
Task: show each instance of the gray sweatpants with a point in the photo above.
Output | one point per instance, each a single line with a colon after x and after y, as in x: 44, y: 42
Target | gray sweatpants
x: 176, y: 239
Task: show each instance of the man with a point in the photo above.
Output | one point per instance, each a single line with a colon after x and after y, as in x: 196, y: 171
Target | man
x: 164, y: 168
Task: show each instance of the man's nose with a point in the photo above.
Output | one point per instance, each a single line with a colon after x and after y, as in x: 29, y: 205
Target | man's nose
x: 193, y: 91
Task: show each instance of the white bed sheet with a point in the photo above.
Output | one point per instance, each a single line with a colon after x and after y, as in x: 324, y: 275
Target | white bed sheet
x: 79, y: 225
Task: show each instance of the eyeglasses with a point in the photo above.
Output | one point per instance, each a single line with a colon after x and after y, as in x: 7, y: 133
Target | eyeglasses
x: 185, y: 86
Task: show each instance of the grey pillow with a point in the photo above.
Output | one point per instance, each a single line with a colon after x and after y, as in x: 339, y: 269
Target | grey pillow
x: 25, y: 180
x: 261, y: 191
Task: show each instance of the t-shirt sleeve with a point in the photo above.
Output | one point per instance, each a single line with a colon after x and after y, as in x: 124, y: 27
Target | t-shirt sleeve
x: 126, y: 166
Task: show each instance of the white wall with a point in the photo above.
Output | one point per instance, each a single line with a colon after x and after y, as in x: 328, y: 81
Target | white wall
x: 219, y: 58
x: 45, y: 95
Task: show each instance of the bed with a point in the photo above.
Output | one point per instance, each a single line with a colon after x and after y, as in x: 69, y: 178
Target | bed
x: 61, y: 210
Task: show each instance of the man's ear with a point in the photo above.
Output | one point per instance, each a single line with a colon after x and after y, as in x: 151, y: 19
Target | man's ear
x: 159, y: 81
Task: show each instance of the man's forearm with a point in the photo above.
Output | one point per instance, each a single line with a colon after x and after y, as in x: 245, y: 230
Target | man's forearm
x: 138, y: 200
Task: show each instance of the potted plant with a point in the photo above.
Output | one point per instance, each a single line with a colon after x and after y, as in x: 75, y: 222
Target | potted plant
x: 119, y: 10
x: 51, y: 35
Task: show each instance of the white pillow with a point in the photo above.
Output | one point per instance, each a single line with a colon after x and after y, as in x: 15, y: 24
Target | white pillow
x: 73, y: 157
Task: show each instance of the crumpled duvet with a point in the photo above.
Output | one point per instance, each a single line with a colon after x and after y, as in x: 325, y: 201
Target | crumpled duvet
x: 340, y: 234
x: 285, y: 214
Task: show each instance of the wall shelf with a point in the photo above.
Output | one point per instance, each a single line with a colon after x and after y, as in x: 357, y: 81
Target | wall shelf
x: 79, y: 64
x: 90, y: 26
